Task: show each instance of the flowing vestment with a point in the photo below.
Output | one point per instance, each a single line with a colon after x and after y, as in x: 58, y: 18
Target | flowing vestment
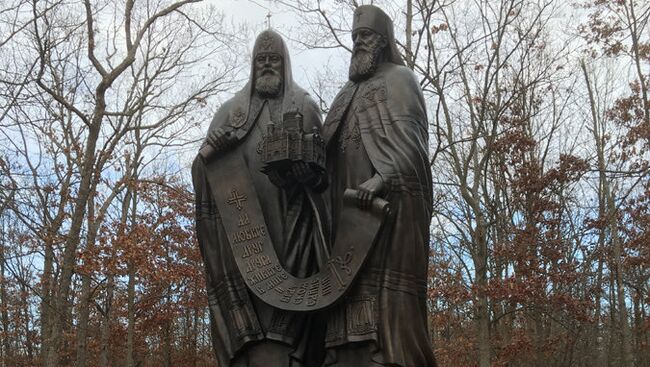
x: 242, y: 326
x: 238, y: 317
x: 380, y: 126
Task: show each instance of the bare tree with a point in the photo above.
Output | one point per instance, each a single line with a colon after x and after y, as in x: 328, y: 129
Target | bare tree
x: 108, y: 82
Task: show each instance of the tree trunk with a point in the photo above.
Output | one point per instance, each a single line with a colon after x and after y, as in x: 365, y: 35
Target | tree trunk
x: 26, y: 309
x: 106, y: 324
x: 410, y: 62
x: 130, y: 200
x: 596, y: 359
x: 85, y: 301
x: 638, y: 323
x: 61, y: 301
x: 195, y: 337
x: 613, y: 359
x: 624, y: 327
x: 130, y: 317
x: 47, y: 314
x: 482, y: 307
x: 167, y: 343
x: 5, y: 348
x: 607, y: 210
x: 82, y: 328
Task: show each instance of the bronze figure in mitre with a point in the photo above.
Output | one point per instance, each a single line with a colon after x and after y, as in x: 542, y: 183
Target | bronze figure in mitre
x: 260, y: 221
x: 377, y: 142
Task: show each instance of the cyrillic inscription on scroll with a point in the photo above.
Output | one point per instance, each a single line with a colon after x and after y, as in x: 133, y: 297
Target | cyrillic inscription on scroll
x: 255, y: 255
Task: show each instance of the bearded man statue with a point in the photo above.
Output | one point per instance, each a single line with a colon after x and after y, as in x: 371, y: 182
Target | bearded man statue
x: 377, y: 142
x: 245, y: 330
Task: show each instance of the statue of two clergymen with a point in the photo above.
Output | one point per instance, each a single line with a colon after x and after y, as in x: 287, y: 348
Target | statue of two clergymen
x: 315, y: 239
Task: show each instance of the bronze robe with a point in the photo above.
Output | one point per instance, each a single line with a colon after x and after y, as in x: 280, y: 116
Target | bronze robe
x: 380, y: 126
x: 291, y: 215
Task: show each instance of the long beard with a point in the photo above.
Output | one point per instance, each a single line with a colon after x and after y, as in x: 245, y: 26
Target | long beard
x: 363, y: 64
x: 268, y: 86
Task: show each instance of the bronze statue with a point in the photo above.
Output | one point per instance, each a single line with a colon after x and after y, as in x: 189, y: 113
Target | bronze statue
x: 281, y: 291
x: 377, y: 142
x: 260, y: 221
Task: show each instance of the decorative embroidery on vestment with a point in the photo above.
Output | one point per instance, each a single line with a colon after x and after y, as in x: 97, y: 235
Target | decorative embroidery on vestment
x: 344, y: 261
x: 340, y: 103
x: 280, y: 322
x: 361, y: 316
x: 238, y: 118
x: 373, y: 93
x: 267, y: 42
x: 260, y: 146
x: 337, y: 110
x: 240, y: 320
x: 358, y: 316
x: 350, y: 136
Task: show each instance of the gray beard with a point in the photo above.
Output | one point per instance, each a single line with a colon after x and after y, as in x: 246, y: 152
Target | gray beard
x: 363, y: 65
x: 268, y: 86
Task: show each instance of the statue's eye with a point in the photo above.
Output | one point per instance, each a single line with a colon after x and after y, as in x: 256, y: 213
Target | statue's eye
x: 262, y: 59
x: 362, y: 33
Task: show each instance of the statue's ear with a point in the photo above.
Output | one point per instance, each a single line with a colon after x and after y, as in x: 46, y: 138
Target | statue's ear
x: 383, y: 41
x: 383, y: 46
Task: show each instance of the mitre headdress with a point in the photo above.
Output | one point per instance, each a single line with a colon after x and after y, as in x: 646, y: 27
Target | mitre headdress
x: 373, y: 18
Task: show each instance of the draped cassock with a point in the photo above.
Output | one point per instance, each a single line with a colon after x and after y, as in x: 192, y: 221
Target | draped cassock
x: 292, y: 216
x: 379, y: 126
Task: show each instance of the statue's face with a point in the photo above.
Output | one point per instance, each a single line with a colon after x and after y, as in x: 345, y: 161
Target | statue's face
x: 366, y: 52
x: 268, y: 74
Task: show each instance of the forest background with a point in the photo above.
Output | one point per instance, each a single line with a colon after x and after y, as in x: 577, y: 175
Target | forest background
x: 539, y: 122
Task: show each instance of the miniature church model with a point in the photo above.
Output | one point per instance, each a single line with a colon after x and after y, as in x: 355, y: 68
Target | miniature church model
x: 288, y: 142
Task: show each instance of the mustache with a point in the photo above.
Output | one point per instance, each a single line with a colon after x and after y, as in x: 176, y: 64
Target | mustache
x: 360, y: 49
x: 269, y: 71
